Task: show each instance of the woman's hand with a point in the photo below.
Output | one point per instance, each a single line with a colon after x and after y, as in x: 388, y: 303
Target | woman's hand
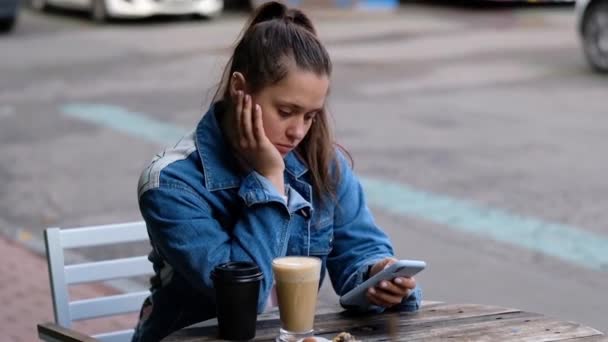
x: 389, y: 293
x: 253, y: 145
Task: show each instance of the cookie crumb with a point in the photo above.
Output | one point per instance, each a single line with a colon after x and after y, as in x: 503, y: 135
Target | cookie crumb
x: 345, y: 337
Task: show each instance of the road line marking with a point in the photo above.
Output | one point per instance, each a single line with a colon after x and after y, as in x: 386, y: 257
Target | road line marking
x: 122, y: 120
x: 568, y: 243
x: 565, y: 242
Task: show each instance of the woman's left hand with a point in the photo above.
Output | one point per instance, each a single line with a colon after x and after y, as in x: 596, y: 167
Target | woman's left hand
x: 389, y: 293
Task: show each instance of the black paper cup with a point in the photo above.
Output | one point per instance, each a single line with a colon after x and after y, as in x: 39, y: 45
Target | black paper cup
x: 237, y: 288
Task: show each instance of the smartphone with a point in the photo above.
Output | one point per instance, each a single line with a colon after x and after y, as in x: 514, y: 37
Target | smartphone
x: 402, y: 268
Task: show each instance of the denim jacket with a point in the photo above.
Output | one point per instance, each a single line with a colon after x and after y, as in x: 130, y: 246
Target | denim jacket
x: 201, y: 211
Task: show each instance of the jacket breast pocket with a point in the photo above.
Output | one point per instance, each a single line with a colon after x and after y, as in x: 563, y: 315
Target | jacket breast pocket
x: 321, y: 234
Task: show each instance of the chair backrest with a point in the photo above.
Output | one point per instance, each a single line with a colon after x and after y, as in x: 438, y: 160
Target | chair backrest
x: 61, y: 275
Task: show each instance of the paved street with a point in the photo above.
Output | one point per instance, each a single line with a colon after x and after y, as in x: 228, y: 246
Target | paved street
x: 480, y: 135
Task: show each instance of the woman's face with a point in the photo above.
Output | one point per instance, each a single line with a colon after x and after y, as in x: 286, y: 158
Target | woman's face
x: 290, y: 106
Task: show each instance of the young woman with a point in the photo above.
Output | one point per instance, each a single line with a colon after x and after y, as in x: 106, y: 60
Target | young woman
x: 260, y: 177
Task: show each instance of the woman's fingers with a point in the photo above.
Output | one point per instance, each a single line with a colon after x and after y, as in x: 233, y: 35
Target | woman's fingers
x: 391, y: 288
x: 258, y: 125
x: 408, y: 283
x: 239, y: 117
x: 382, y: 264
x: 248, y: 121
x: 383, y: 298
x: 388, y: 293
x: 253, y: 146
x: 372, y: 299
x: 246, y: 124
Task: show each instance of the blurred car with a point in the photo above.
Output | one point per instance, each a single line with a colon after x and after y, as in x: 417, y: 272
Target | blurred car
x: 593, y: 27
x: 9, y: 10
x: 103, y: 10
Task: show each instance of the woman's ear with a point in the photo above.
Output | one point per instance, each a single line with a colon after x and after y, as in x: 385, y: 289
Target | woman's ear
x: 237, y: 83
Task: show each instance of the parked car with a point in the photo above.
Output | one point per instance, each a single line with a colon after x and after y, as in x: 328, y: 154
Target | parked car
x: 103, y: 10
x: 593, y: 28
x: 9, y: 10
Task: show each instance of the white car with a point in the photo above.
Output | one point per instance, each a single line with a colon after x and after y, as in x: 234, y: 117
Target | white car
x: 593, y: 28
x: 102, y: 10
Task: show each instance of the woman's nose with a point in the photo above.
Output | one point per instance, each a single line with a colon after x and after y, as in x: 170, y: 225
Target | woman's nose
x: 297, y: 129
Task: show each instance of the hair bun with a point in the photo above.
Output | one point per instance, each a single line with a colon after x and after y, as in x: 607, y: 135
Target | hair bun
x: 276, y: 10
x: 269, y: 11
x: 299, y: 18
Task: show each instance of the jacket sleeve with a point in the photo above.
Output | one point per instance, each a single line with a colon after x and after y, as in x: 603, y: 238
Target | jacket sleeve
x: 185, y: 233
x: 358, y: 242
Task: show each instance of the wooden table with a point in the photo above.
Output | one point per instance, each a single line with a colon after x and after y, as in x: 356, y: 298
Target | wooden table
x: 434, y: 321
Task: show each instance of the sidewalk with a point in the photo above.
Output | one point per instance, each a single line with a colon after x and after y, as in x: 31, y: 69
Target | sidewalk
x: 25, y: 297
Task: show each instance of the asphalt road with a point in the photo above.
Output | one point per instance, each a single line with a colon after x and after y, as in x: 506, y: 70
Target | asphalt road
x: 480, y: 135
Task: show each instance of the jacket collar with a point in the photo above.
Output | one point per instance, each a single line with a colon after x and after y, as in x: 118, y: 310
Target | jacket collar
x: 219, y: 164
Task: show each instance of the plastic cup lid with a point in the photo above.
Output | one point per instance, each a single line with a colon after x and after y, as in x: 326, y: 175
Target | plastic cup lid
x: 237, y: 271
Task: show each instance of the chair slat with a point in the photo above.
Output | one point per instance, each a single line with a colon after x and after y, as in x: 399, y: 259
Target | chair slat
x: 104, y: 235
x: 116, y: 336
x: 108, y: 269
x: 59, y: 289
x: 107, y: 306
x: 61, y: 275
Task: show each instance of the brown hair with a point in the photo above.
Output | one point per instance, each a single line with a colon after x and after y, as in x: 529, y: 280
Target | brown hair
x: 276, y: 38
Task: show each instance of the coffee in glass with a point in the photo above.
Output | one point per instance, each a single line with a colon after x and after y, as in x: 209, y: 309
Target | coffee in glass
x: 297, y: 284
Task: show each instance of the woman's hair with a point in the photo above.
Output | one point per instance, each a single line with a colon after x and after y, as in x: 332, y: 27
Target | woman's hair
x: 276, y: 39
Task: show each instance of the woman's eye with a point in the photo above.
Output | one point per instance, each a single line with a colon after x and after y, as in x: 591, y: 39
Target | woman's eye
x: 310, y: 117
x: 284, y: 113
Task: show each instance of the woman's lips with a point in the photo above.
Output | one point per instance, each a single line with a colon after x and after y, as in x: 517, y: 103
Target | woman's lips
x: 284, y: 149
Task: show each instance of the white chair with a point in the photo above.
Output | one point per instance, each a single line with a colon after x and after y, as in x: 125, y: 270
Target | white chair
x: 62, y: 275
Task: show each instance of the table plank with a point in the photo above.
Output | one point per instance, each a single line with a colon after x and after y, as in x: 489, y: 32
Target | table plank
x: 393, y: 326
x: 436, y: 321
x: 330, y: 324
x: 377, y: 324
x: 507, y: 328
x: 596, y: 338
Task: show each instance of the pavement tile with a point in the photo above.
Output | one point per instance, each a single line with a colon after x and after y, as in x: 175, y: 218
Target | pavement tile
x: 25, y: 296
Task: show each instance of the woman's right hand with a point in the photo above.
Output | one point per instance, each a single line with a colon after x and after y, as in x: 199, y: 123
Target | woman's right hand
x: 389, y: 293
x: 252, y: 143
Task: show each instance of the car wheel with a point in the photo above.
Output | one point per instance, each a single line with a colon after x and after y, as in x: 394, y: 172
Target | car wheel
x: 99, y: 11
x: 39, y: 5
x: 595, y: 35
x: 7, y: 24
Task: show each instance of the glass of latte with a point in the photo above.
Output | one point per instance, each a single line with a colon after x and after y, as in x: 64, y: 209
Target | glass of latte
x: 297, y: 284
